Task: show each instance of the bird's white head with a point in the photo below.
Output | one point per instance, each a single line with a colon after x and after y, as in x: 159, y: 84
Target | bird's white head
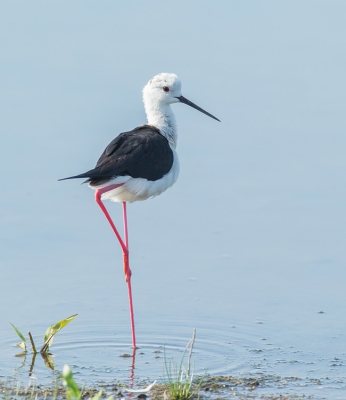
x: 165, y: 89
x: 158, y: 94
x: 162, y: 90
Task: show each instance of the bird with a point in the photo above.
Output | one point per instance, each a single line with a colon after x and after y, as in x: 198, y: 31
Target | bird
x: 141, y: 163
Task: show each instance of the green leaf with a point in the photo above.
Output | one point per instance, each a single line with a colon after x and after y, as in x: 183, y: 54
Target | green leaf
x: 53, y: 330
x: 48, y: 335
x: 18, y: 333
x: 22, y: 345
x: 73, y: 392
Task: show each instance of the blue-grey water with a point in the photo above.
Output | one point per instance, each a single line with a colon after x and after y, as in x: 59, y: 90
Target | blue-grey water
x: 248, y: 246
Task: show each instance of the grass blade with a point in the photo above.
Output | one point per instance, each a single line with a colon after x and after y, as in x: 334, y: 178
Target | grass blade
x: 180, y: 378
x: 73, y: 393
x: 18, y: 333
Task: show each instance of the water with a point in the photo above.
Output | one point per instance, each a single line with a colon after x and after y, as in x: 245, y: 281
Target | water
x: 98, y: 353
x: 295, y: 349
x: 248, y: 246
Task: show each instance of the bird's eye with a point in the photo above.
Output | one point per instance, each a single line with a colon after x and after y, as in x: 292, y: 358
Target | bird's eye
x: 165, y: 89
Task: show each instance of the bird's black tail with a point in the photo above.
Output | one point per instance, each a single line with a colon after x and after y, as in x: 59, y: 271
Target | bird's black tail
x: 85, y: 175
x: 94, y: 177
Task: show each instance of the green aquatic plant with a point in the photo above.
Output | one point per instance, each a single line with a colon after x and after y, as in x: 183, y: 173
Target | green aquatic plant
x: 47, y: 342
x: 73, y: 392
x: 22, y: 344
x: 48, y: 336
x: 53, y: 330
x: 179, y: 378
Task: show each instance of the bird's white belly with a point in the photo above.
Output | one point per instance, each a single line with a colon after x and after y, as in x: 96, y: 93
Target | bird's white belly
x: 137, y: 189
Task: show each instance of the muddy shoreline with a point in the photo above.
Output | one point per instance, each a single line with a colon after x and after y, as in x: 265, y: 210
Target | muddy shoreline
x: 213, y: 388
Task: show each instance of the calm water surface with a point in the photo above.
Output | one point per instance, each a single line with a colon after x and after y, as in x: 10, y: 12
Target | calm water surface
x: 251, y: 322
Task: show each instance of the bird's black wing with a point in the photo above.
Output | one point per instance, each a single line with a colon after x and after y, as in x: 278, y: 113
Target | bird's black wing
x: 140, y: 153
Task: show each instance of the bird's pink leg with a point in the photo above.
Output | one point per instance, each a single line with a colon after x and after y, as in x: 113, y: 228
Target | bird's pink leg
x: 127, y: 270
x: 124, y: 247
x: 128, y: 273
x: 98, y: 195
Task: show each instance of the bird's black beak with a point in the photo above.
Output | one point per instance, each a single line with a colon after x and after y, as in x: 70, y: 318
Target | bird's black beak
x: 184, y: 100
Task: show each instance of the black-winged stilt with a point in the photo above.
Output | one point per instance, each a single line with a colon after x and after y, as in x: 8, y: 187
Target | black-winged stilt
x: 141, y: 163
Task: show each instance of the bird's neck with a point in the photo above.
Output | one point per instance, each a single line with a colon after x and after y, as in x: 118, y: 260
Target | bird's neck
x: 162, y: 117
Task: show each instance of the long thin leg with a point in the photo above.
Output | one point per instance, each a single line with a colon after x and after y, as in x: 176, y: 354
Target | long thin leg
x: 98, y: 194
x: 125, y: 249
x: 128, y: 274
x: 127, y: 270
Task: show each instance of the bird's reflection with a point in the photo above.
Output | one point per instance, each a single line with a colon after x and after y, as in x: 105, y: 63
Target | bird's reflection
x: 133, y: 366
